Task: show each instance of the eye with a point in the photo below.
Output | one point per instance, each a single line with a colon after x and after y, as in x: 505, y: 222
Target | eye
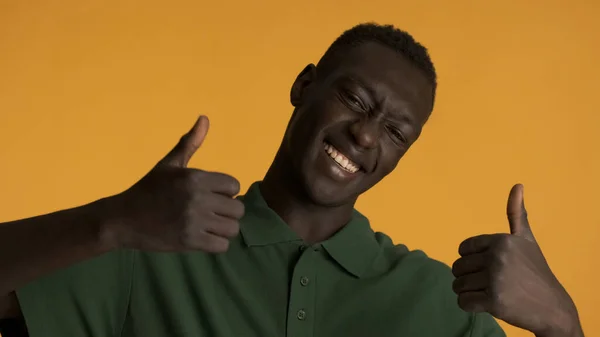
x: 353, y: 100
x: 396, y: 134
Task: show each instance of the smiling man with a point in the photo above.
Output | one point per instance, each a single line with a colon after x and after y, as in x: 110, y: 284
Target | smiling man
x: 178, y: 255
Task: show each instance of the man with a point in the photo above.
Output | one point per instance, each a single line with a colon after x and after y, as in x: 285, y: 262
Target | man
x: 164, y: 258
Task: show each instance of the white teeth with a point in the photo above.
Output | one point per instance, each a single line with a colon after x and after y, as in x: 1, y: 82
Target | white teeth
x: 342, y: 160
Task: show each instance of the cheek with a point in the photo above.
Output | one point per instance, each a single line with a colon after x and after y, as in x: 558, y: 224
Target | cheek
x: 302, y: 134
x: 389, y: 157
x: 313, y: 120
x: 332, y: 110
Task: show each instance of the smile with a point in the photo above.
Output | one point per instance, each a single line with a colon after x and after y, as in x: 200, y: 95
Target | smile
x: 342, y: 161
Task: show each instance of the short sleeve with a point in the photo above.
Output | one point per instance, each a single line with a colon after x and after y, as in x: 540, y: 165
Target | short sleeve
x: 484, y: 325
x: 86, y: 299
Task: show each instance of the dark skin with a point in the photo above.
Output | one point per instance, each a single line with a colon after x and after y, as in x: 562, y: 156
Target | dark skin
x: 508, y: 276
x: 372, y: 107
x: 371, y: 111
x: 172, y: 209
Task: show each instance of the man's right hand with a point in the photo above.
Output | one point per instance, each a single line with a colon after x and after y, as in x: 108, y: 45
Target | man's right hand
x: 175, y: 208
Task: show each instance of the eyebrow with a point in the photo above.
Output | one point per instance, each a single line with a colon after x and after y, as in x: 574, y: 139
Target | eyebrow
x: 360, y: 82
x: 396, y: 115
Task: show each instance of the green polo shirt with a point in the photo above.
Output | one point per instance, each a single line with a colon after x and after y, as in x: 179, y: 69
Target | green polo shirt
x: 356, y: 284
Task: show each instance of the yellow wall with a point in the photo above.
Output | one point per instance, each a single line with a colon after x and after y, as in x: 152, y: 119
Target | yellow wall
x: 92, y: 93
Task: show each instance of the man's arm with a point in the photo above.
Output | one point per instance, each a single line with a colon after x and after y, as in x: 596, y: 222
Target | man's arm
x: 34, y: 247
x: 173, y: 208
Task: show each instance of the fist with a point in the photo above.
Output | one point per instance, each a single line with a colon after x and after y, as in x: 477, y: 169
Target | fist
x: 175, y: 208
x: 507, y: 276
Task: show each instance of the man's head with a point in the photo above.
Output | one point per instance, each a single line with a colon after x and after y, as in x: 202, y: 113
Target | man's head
x: 357, y: 112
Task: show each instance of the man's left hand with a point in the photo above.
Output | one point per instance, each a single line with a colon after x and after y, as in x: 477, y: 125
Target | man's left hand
x: 507, y: 276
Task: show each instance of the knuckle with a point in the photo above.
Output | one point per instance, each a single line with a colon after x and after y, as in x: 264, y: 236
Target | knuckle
x: 222, y: 246
x: 502, y: 251
x: 187, y: 230
x: 504, y: 259
x: 200, y: 174
x: 462, y: 248
x: 221, y: 182
x: 239, y: 209
x: 503, y: 242
x: 197, y: 177
x: 183, y: 139
x: 499, y: 261
x: 231, y: 228
x: 232, y: 185
x: 463, y: 303
x: 466, y: 248
x: 203, y: 241
x: 189, y: 214
x: 495, y: 298
x: 197, y: 198
x: 456, y: 267
x: 186, y: 237
x: 494, y: 287
x: 494, y: 275
x: 457, y: 285
x: 216, y: 245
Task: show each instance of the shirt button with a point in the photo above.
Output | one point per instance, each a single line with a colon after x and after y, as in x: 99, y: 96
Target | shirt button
x: 302, y: 248
x: 304, y: 280
x: 301, y: 315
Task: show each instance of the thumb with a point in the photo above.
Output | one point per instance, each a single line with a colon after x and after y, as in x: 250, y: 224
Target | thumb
x: 517, y: 215
x: 188, y: 144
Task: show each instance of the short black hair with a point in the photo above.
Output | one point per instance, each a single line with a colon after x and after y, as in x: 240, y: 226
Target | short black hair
x: 391, y: 37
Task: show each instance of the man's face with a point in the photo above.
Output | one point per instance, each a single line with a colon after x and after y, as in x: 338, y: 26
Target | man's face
x: 352, y: 125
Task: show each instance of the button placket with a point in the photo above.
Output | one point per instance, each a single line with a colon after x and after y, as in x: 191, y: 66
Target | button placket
x: 302, y: 295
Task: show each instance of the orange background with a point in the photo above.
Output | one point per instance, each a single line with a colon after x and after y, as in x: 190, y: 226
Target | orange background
x: 93, y: 93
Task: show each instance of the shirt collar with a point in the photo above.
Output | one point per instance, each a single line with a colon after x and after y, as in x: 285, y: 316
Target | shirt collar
x: 261, y: 226
x: 354, y: 247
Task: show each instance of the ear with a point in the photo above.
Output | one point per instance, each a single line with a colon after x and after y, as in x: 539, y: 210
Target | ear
x: 304, y: 79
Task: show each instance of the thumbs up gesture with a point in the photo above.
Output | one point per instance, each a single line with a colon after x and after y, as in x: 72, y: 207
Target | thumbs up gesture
x: 176, y: 208
x: 507, y: 276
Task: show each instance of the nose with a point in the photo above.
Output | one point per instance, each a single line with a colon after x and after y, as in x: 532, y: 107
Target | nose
x: 365, y: 132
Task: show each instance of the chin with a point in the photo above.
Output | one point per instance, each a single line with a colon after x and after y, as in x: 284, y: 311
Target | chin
x: 324, y: 193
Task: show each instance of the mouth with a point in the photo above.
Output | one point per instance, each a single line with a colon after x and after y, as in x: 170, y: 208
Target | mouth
x: 340, y: 159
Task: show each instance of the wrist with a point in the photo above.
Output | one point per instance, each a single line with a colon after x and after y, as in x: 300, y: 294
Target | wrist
x: 109, y: 221
x: 565, y: 325
x: 574, y: 331
x: 564, y: 333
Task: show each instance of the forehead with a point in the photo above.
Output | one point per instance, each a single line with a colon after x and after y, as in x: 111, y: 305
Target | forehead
x: 388, y: 73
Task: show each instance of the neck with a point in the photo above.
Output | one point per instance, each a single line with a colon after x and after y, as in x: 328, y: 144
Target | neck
x: 286, y: 196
